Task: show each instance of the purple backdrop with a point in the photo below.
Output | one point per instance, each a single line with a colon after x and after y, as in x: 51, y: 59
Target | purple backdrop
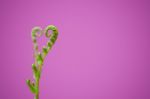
x: 103, y: 49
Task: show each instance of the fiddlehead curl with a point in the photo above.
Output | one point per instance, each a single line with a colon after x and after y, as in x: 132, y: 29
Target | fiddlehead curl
x: 40, y: 56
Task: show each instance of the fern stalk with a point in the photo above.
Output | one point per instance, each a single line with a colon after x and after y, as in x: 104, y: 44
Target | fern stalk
x: 40, y: 56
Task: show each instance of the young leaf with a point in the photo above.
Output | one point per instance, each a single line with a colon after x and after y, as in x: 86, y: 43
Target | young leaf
x: 31, y: 86
x: 39, y: 59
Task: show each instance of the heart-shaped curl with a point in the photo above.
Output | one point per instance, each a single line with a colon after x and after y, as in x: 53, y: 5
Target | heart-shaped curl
x: 38, y: 32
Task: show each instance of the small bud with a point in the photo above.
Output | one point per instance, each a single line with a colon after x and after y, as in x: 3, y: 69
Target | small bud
x: 49, y: 44
x: 34, y: 68
x: 54, y: 36
x: 51, y: 27
x: 33, y: 65
x: 45, y: 51
x: 27, y: 81
x: 53, y: 40
x: 39, y: 59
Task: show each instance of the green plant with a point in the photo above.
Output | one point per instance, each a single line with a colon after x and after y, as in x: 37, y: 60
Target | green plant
x: 40, y: 56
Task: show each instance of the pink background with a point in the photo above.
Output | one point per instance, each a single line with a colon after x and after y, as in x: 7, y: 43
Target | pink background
x: 102, y: 52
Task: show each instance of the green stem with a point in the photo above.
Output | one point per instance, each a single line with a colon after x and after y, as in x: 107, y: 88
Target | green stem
x: 40, y: 56
x: 37, y: 96
x: 37, y: 86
